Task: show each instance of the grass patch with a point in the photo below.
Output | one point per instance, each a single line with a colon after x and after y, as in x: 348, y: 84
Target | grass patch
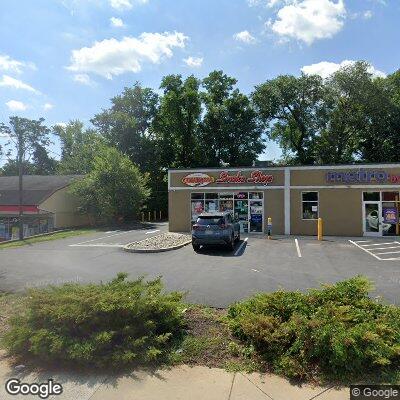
x: 46, y: 238
x: 209, y: 342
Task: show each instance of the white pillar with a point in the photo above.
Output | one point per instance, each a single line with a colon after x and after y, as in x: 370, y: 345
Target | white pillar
x: 287, y: 201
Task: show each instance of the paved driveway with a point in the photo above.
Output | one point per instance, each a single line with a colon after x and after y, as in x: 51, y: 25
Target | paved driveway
x: 215, y: 277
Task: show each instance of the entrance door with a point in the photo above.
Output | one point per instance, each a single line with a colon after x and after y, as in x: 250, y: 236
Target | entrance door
x: 372, y: 219
x: 256, y: 216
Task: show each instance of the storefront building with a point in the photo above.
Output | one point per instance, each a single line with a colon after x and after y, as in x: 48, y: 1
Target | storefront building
x: 352, y: 200
x: 47, y: 204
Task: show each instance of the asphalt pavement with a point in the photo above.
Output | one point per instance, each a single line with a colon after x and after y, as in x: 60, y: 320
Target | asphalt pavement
x: 214, y: 276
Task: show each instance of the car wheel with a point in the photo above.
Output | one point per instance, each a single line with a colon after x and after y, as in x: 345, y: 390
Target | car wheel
x: 196, y: 247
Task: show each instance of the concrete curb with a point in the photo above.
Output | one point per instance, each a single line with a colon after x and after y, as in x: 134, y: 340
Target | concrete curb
x: 129, y: 250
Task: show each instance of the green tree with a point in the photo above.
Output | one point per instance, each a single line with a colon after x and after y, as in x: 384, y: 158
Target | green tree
x: 230, y: 133
x: 79, y: 148
x: 176, y: 124
x: 25, y: 136
x: 293, y: 111
x: 113, y: 189
x: 125, y: 125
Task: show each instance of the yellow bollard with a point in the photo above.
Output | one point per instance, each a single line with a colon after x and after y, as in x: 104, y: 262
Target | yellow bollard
x: 149, y: 216
x: 320, y: 229
x: 269, y: 227
x: 142, y: 216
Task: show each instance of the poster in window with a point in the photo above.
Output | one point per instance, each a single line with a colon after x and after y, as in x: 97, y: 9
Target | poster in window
x: 390, y: 215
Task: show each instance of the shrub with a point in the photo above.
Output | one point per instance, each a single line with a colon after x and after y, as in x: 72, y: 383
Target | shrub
x: 337, y: 331
x: 112, y: 324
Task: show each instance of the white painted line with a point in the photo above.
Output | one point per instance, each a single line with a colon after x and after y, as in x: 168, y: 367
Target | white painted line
x: 362, y: 241
x: 97, y: 245
x: 388, y: 252
x: 364, y: 249
x: 390, y: 259
x: 241, y: 246
x: 148, y: 233
x: 103, y: 237
x: 385, y: 248
x: 113, y: 231
x: 255, y: 270
x: 297, y: 247
x: 378, y: 244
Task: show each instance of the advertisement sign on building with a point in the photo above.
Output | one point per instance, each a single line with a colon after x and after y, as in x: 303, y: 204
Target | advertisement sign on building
x: 390, y: 215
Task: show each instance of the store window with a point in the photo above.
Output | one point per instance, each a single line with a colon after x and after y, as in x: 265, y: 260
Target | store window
x: 212, y: 203
x: 309, y: 205
x: 197, y: 205
x: 371, y: 196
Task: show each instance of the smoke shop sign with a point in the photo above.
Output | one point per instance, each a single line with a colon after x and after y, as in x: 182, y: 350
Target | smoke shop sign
x: 225, y: 177
x: 361, y: 176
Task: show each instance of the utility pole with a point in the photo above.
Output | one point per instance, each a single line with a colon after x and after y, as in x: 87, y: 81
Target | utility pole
x: 20, y: 182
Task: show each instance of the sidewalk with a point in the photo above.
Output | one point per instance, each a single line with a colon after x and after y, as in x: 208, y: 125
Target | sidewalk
x: 180, y: 383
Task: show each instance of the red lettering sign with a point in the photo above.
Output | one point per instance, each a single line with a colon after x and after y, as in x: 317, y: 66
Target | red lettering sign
x: 256, y: 177
x: 224, y: 177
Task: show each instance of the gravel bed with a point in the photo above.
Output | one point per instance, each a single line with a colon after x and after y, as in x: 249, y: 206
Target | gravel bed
x: 163, y: 241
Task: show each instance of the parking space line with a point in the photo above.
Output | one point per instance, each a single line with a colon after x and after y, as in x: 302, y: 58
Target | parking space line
x: 364, y: 249
x: 380, y: 244
x: 150, y: 232
x: 388, y: 252
x: 101, y: 238
x: 241, y: 246
x: 385, y: 248
x: 297, y: 247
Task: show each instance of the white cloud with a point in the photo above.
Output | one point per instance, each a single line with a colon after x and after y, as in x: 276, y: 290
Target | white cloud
x: 310, y: 20
x: 62, y: 124
x: 121, y: 5
x: 48, y: 106
x: 325, y: 68
x: 368, y: 14
x: 116, y: 22
x: 15, y: 105
x: 8, y: 81
x: 193, y: 62
x: 9, y: 64
x: 245, y: 37
x: 112, y: 57
x: 83, y: 79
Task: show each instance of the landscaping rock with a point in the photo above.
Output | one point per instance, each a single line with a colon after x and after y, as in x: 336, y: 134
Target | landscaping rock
x: 159, y: 243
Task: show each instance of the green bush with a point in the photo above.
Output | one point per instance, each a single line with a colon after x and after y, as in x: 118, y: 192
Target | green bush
x: 336, y: 332
x: 112, y: 324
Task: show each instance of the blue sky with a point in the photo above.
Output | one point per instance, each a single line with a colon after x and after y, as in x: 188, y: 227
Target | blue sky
x: 64, y: 59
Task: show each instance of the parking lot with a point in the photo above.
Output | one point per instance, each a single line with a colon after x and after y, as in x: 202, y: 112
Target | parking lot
x: 214, y: 276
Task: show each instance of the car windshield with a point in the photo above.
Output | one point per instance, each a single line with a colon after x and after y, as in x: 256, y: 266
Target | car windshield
x: 210, y: 221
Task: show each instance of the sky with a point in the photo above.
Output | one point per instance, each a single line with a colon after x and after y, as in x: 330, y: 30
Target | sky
x: 64, y: 59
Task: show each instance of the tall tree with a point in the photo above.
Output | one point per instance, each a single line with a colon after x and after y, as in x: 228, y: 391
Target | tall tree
x: 126, y: 124
x: 25, y: 136
x: 79, y: 146
x: 291, y: 108
x: 230, y: 132
x: 177, y: 122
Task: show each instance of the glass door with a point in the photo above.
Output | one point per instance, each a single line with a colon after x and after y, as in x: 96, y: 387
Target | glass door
x: 242, y: 210
x: 372, y: 219
x: 256, y: 212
